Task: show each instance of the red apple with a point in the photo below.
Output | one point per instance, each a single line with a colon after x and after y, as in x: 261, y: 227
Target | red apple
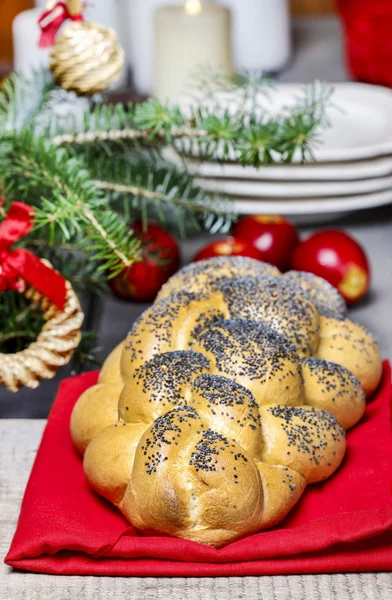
x: 338, y: 258
x: 273, y: 236
x: 229, y: 246
x: 160, y: 260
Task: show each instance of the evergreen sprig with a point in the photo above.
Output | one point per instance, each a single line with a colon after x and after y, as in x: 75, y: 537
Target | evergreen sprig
x: 21, y: 321
x: 67, y: 201
x: 23, y: 99
x: 89, y: 176
x: 144, y: 184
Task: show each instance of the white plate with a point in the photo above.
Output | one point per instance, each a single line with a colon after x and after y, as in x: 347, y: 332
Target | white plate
x: 361, y: 123
x: 312, y: 206
x: 344, y: 171
x: 244, y: 187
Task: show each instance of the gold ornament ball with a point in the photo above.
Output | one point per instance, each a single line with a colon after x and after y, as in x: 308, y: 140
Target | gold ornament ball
x: 86, y: 58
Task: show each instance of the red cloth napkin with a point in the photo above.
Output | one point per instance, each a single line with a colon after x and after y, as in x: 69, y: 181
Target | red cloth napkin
x: 344, y: 524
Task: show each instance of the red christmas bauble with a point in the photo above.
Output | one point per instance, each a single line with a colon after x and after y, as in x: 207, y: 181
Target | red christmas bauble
x: 160, y: 260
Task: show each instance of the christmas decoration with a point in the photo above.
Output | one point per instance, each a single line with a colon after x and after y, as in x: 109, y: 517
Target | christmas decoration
x: 229, y: 246
x: 86, y: 57
x: 88, y: 177
x: 23, y: 272
x: 273, y: 236
x: 338, y: 258
x: 160, y: 260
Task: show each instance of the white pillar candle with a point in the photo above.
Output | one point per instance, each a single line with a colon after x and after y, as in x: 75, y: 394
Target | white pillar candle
x: 187, y: 37
x: 139, y: 21
x: 26, y: 33
x: 261, y: 34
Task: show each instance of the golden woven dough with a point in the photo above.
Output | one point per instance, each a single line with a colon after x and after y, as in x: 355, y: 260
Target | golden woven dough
x: 96, y: 408
x: 324, y: 296
x: 111, y: 370
x: 201, y: 485
x: 282, y: 488
x: 255, y: 356
x: 208, y: 275
x: 353, y: 347
x: 173, y: 323
x: 161, y: 384
x: 331, y: 387
x: 305, y: 439
x: 278, y: 303
x: 109, y: 457
x: 231, y: 396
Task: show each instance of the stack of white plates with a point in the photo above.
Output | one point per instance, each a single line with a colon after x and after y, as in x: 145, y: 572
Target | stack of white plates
x: 352, y: 169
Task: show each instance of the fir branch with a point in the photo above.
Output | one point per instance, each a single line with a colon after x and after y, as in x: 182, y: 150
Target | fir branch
x: 247, y: 133
x: 70, y: 203
x: 22, y: 99
x: 21, y: 321
x: 151, y: 184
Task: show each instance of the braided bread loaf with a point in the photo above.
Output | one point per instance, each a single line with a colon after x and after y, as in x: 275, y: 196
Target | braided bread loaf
x: 225, y: 401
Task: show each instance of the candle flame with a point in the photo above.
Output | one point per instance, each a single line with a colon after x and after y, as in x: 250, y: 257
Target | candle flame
x: 193, y: 7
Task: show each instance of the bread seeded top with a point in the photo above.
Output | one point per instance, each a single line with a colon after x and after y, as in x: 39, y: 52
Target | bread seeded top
x: 207, y: 453
x: 166, y: 431
x: 325, y: 297
x: 333, y: 378
x: 276, y: 302
x: 222, y: 393
x: 307, y: 428
x: 164, y: 376
x: 165, y: 315
x: 213, y: 272
x: 221, y: 412
x: 249, y: 349
x: 220, y: 390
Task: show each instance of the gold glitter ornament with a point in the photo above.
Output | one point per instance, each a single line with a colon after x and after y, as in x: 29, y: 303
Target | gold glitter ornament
x: 53, y: 348
x: 86, y: 58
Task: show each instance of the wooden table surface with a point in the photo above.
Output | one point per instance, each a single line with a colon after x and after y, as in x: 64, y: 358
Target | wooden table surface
x: 19, y: 441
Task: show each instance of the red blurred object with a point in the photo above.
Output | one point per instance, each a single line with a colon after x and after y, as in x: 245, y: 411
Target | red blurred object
x: 273, y: 236
x: 367, y: 28
x: 161, y: 258
x: 339, y: 259
x: 229, y: 246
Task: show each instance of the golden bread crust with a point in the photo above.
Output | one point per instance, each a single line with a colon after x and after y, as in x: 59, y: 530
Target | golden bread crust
x: 96, y: 408
x: 225, y: 401
x: 352, y: 346
x: 329, y: 386
x: 208, y: 275
x: 111, y: 369
x: 256, y: 357
x: 324, y: 296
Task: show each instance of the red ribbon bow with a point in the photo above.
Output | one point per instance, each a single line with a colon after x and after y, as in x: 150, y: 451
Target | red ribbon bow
x: 21, y: 264
x: 51, y: 20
